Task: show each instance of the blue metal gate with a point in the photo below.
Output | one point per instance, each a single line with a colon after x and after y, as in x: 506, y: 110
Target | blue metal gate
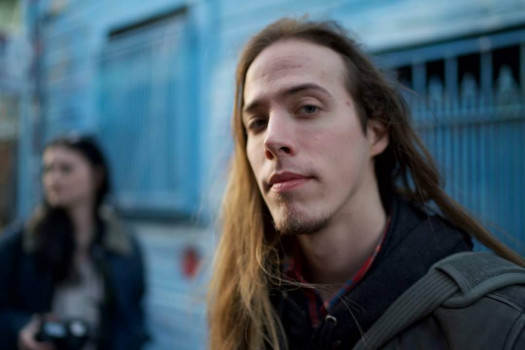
x: 469, y: 106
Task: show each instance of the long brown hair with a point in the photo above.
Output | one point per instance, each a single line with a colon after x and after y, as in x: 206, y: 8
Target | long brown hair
x: 240, y: 312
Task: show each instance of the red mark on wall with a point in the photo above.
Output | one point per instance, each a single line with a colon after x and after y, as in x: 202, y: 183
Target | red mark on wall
x: 190, y: 262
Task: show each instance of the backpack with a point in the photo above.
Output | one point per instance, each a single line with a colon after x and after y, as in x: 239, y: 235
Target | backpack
x: 456, y: 281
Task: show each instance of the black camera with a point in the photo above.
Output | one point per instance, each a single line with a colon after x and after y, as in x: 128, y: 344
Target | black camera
x: 65, y: 335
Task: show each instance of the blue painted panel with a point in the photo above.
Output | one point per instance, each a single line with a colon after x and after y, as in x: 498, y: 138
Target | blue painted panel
x: 425, y: 53
x: 145, y: 120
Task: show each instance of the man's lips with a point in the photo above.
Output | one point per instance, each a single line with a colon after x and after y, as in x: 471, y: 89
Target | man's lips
x: 286, y: 181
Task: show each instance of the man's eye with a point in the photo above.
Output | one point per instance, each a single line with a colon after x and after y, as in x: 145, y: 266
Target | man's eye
x: 257, y: 124
x: 308, y: 109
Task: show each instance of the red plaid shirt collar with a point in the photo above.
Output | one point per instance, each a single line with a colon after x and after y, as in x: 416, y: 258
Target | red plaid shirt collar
x: 317, y: 308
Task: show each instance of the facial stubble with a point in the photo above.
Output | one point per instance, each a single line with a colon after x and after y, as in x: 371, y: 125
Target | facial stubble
x: 293, y: 222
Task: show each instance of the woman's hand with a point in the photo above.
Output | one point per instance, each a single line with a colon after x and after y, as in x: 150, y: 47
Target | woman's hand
x: 27, y: 335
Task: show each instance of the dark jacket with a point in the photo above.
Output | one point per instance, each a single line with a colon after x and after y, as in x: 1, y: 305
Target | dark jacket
x: 26, y: 290
x: 414, y: 242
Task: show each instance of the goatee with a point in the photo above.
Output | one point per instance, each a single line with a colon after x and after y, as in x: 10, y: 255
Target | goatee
x: 293, y: 223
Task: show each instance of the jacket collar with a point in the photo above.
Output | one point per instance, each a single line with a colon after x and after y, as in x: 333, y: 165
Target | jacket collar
x: 114, y: 239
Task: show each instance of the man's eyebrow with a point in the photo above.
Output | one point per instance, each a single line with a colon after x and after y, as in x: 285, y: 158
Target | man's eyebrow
x: 308, y: 86
x: 288, y: 92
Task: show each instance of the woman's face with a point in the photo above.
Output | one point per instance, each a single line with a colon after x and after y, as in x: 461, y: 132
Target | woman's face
x: 68, y: 178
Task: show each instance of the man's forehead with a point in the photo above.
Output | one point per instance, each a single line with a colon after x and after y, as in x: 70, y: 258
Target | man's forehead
x: 273, y: 67
x: 287, y: 55
x: 293, y: 62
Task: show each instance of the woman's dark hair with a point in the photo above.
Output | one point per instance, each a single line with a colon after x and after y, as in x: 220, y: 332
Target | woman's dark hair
x: 51, y: 226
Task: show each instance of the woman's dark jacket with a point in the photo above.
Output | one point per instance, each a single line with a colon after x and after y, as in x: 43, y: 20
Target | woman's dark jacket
x: 25, y: 289
x: 414, y: 242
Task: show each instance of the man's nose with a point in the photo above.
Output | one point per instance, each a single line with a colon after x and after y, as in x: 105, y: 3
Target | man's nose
x: 280, y: 135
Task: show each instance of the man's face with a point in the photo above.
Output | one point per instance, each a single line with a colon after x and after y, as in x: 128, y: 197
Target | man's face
x: 306, y: 147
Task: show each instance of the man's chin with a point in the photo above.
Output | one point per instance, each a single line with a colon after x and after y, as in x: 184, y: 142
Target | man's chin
x: 293, y: 225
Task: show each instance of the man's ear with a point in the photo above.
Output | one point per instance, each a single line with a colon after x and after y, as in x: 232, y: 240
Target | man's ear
x: 378, y: 137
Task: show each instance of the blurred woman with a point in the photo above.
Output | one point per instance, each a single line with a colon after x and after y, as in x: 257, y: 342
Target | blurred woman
x: 73, y: 260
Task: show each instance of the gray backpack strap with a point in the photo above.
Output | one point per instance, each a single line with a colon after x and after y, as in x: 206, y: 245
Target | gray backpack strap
x: 456, y: 281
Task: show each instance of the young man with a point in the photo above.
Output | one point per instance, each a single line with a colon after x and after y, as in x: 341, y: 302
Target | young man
x: 325, y: 220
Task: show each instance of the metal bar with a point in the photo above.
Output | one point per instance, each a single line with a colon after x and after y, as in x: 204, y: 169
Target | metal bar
x: 451, y: 83
x: 522, y: 71
x: 487, y: 83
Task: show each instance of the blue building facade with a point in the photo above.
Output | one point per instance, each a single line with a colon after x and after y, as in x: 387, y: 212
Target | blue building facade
x: 14, y: 58
x: 155, y: 81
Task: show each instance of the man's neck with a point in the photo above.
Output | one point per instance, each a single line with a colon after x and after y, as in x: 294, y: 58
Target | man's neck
x: 336, y: 253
